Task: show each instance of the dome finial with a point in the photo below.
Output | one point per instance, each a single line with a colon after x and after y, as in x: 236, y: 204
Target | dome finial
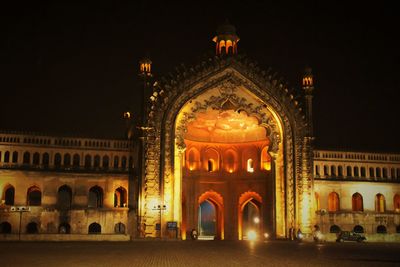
x: 226, y: 39
x: 145, y: 66
x: 308, y: 78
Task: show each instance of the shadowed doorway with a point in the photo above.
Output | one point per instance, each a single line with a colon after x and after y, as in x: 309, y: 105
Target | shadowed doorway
x: 251, y: 220
x: 207, y: 220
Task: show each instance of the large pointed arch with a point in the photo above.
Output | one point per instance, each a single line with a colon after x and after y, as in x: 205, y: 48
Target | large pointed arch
x: 283, y: 118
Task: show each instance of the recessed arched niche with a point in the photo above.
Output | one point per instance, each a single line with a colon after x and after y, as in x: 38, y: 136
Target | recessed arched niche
x: 226, y: 139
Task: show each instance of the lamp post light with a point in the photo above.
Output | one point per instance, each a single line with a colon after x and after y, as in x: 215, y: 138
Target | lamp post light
x: 160, y: 208
x: 20, y: 209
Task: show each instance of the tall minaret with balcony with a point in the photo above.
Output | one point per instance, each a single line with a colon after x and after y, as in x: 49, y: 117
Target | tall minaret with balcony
x: 226, y: 40
x: 308, y: 87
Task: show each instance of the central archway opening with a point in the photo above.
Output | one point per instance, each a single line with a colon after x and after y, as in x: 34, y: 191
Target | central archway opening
x: 207, y: 220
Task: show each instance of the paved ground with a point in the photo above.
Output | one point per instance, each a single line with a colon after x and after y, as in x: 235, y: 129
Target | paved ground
x: 197, y: 253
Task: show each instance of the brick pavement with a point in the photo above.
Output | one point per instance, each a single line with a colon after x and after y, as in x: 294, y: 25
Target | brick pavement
x: 196, y: 253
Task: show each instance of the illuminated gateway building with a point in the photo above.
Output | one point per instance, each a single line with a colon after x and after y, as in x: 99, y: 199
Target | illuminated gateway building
x: 222, y: 147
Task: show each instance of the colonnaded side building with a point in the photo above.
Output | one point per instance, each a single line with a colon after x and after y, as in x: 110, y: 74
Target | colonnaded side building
x: 222, y: 147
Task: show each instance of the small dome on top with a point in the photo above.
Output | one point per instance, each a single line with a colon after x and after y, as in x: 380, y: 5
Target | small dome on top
x: 145, y: 60
x: 226, y: 39
x: 307, y: 71
x: 226, y: 28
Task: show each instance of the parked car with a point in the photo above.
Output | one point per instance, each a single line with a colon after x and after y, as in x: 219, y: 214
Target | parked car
x: 349, y: 236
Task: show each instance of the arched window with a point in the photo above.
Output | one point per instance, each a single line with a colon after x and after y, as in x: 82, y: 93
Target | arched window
x: 32, y: 228
x: 363, y: 172
x: 95, y: 197
x: 356, y: 173
x: 34, y: 196
x: 9, y: 195
x: 378, y: 172
x: 358, y: 229
x: 88, y: 161
x: 340, y: 171
x: 333, y: 170
x: 15, y: 157
x: 379, y: 203
x: 64, y: 197
x: 384, y: 173
x: 76, y: 161
x: 211, y: 157
x: 396, y: 203
x: 265, y: 159
x: 392, y: 173
x: 36, y: 158
x: 381, y: 229
x: 120, y: 197
x: 96, y: 162
x: 7, y: 157
x: 46, y: 160
x: 250, y: 165
x: 230, y: 160
x: 57, y: 160
x: 116, y: 162
x: 94, y: 228
x: 193, y: 159
x: 119, y: 228
x: 26, y: 159
x: 5, y: 228
x: 64, y: 228
x: 106, y: 162
x: 349, y: 171
x: 123, y: 162
x: 334, y: 229
x: 210, y: 165
x: 326, y: 170
x: 357, y: 202
x: 67, y: 160
x: 333, y: 202
x: 371, y: 172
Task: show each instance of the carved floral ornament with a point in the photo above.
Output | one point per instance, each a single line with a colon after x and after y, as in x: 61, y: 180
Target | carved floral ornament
x: 229, y: 99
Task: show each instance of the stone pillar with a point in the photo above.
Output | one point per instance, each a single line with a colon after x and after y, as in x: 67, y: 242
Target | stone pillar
x: 305, y: 188
x: 151, y: 185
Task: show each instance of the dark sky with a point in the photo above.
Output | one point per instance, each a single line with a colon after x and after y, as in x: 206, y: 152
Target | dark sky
x: 70, y: 68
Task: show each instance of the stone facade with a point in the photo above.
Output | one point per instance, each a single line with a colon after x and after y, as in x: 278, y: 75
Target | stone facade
x: 68, y: 184
x: 374, y: 177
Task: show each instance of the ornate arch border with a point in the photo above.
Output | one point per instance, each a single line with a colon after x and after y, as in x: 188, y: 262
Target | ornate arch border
x: 172, y: 96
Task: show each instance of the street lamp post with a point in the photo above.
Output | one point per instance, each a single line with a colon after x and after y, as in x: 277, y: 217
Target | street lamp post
x: 160, y: 208
x: 20, y: 209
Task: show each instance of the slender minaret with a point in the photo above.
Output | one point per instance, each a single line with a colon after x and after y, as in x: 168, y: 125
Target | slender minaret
x: 226, y: 40
x: 305, y: 197
x: 308, y: 87
x: 135, y: 123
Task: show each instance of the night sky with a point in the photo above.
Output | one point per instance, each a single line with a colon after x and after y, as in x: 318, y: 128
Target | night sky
x: 71, y: 68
